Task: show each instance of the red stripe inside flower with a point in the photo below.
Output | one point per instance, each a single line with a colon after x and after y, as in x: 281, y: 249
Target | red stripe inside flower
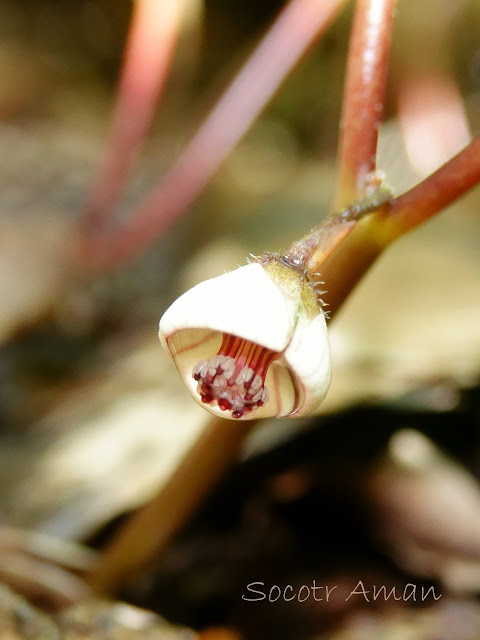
x: 234, y: 379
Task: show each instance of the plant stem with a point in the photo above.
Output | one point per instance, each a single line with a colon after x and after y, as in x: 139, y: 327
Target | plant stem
x: 141, y: 540
x: 344, y: 246
x: 341, y: 248
x: 327, y: 253
x: 148, y: 53
x: 363, y: 97
x: 441, y: 188
x: 295, y: 29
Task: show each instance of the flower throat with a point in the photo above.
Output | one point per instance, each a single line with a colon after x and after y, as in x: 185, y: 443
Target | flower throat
x: 234, y: 379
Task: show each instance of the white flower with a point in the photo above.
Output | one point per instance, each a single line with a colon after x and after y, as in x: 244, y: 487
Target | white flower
x: 251, y: 343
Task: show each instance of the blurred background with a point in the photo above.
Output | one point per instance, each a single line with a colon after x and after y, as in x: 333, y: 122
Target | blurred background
x: 383, y: 485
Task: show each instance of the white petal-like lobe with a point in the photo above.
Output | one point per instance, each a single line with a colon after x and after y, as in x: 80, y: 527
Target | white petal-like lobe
x: 308, y: 357
x: 245, y: 302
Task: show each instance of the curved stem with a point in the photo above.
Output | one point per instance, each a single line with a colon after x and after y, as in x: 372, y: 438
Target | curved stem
x: 441, y: 188
x: 364, y: 95
x: 344, y: 246
x: 292, y: 33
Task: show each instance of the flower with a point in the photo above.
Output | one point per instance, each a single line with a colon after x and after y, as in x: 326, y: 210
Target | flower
x: 251, y: 343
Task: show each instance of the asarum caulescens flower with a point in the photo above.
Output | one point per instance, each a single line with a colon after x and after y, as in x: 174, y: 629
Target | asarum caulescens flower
x: 251, y: 343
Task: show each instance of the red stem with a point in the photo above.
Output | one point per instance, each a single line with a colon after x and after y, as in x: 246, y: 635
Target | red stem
x: 364, y: 95
x: 148, y: 54
x: 292, y: 33
x: 440, y: 189
x: 345, y: 250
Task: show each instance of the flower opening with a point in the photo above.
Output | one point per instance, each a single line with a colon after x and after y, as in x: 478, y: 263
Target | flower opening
x: 234, y: 379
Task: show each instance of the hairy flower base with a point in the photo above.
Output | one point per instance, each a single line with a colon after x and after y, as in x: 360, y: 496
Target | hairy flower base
x: 234, y: 379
